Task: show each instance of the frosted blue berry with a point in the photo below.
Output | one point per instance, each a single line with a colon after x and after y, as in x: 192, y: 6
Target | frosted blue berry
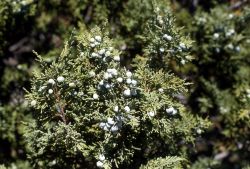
x: 94, y: 55
x: 129, y: 74
x: 106, y: 75
x: 102, y: 125
x: 167, y: 37
x: 92, y: 45
x: 108, y: 53
x: 151, y: 114
x: 99, y: 164
x: 60, y: 79
x: 114, y: 128
x: 101, y: 52
x: 170, y: 110
x: 33, y: 103
x: 161, y: 90
x: 92, y: 40
x: 182, y: 45
x: 199, y: 131
x: 216, y: 35
x: 127, y: 109
x: 95, y: 96
x: 101, y: 157
x: 51, y: 81
x: 117, y: 58
x: 72, y: 84
x: 116, y: 108
x: 119, y: 79
x: 50, y: 91
x: 127, y: 92
x: 98, y: 38
x: 128, y: 81
x: 110, y: 121
x: 134, y: 82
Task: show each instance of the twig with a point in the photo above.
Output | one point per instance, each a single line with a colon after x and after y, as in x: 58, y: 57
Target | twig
x: 61, y: 107
x: 238, y: 5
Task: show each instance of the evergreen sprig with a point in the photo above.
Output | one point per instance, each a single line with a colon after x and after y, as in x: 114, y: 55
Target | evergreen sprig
x: 92, y: 112
x: 222, y: 51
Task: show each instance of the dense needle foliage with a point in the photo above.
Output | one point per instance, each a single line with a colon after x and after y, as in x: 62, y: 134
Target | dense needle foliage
x: 119, y: 84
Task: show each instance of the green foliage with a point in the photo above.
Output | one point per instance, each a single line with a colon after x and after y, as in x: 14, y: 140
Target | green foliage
x: 222, y: 79
x: 17, y: 164
x: 164, y: 41
x: 27, y: 24
x: 247, y: 167
x: 92, y: 112
x: 10, y: 11
x: 164, y: 163
x: 203, y: 4
x: 12, y: 129
x: 2, y: 167
x: 148, y: 129
x: 3, y: 20
x: 206, y: 163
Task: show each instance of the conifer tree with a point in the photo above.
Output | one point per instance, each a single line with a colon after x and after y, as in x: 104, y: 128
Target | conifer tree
x: 42, y: 25
x: 13, y: 108
x: 28, y: 24
x: 91, y: 112
x: 222, y: 83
